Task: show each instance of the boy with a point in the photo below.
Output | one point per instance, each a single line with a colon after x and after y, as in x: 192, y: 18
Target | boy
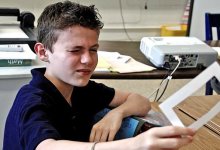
x: 55, y: 110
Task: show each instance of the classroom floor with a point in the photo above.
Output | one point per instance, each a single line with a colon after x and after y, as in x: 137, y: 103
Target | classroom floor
x: 147, y: 87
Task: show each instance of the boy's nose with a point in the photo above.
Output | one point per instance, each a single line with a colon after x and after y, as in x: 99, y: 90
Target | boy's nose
x: 86, y: 58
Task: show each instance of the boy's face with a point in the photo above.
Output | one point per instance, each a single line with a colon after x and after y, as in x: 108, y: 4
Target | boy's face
x: 74, y: 56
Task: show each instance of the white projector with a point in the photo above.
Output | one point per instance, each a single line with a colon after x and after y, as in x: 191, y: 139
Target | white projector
x: 161, y: 51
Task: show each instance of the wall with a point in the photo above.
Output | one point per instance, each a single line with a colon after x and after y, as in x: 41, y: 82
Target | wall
x: 138, y: 21
x: 198, y: 15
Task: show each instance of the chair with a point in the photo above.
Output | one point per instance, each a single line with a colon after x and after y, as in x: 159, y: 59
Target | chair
x: 211, y: 21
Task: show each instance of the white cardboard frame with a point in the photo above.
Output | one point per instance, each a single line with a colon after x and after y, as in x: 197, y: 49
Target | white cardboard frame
x: 167, y: 106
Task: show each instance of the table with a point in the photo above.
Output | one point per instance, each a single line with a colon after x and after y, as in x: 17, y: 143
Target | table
x: 196, y: 106
x: 207, y: 137
x: 132, y: 49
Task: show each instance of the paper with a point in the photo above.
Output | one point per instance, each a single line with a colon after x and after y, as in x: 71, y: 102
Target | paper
x: 102, y: 65
x: 12, y: 32
x: 114, y: 61
x: 11, y: 48
x: 186, y: 91
x: 27, y: 53
x: 131, y: 66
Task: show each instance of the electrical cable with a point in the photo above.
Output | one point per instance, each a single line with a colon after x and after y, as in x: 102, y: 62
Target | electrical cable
x: 123, y: 21
x: 157, y: 100
x: 169, y: 77
x: 161, y: 83
x: 179, y: 61
x: 158, y: 88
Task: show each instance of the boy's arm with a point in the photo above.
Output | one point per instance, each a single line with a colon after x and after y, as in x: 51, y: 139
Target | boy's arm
x: 125, y: 104
x: 168, y: 137
x: 129, y: 104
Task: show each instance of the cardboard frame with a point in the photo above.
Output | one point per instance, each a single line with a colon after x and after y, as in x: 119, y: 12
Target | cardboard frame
x: 167, y: 106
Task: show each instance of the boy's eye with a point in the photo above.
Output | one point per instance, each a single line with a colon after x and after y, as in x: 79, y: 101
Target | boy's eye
x: 74, y: 50
x: 93, y: 49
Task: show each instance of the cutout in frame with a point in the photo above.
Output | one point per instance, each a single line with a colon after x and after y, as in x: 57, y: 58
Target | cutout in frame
x: 167, y: 106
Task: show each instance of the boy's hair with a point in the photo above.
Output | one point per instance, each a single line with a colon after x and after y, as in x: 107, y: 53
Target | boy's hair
x: 59, y: 16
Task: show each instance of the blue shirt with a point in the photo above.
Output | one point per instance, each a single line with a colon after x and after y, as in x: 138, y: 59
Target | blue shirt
x: 40, y: 112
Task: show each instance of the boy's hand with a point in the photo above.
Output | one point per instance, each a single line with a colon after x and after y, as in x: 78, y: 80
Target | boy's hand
x: 168, y: 137
x: 106, y: 128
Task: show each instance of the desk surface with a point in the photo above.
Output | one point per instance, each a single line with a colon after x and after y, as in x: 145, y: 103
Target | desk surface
x: 197, y: 106
x: 208, y: 136
x: 132, y: 49
x: 126, y: 48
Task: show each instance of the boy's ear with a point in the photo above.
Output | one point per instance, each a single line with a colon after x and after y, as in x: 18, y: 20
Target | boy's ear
x: 41, y: 52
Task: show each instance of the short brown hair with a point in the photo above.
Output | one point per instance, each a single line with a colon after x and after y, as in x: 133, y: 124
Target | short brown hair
x: 61, y: 15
